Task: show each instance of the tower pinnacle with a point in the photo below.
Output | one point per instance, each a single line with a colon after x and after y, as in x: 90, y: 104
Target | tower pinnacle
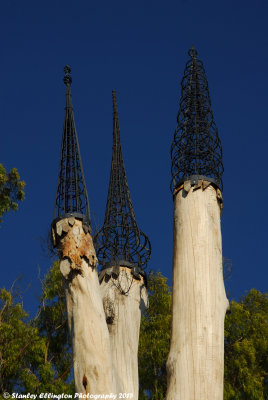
x: 67, y: 77
x: 192, y: 52
x: 71, y: 196
x: 196, y: 151
x: 120, y: 242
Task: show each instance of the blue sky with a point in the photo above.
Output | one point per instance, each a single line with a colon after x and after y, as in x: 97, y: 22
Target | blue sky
x: 140, y: 50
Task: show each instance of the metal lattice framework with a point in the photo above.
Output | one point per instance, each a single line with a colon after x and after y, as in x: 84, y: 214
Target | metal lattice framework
x: 120, y: 242
x: 196, y: 151
x: 71, y: 197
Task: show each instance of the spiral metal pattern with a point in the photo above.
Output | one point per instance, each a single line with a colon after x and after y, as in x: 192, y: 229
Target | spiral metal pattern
x: 120, y: 241
x: 196, y: 151
x: 71, y: 196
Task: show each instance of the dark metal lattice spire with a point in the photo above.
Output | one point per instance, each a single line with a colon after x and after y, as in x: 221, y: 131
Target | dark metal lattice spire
x: 196, y: 151
x: 71, y: 197
x: 120, y: 242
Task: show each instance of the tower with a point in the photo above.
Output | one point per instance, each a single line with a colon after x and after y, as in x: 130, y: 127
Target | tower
x: 120, y: 242
x: 123, y: 251
x: 71, y: 235
x: 195, y: 362
x: 71, y: 197
x: 196, y: 151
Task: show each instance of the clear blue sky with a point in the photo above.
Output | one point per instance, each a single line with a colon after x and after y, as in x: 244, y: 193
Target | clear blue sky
x: 140, y: 50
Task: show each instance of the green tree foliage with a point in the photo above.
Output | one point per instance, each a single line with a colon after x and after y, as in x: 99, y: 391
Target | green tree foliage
x: 154, y: 339
x: 246, y: 345
x: 11, y: 190
x: 20, y: 345
x: 34, y: 355
x: 246, y: 348
x: 53, y: 325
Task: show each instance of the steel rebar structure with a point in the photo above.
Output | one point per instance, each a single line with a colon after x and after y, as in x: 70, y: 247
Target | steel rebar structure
x: 196, y: 150
x: 71, y: 197
x: 120, y: 242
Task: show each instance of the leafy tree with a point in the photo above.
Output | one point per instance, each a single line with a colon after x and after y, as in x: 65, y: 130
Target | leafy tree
x: 155, y: 339
x: 11, y: 190
x: 53, y: 325
x: 246, y: 348
x: 34, y: 355
x: 246, y: 345
x: 20, y: 345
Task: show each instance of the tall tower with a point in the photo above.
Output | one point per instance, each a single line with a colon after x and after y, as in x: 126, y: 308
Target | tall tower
x: 71, y: 235
x: 120, y: 242
x: 123, y: 251
x: 195, y: 362
x: 71, y: 197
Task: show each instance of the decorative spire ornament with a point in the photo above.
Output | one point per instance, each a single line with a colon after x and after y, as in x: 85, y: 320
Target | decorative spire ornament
x: 196, y: 358
x: 120, y: 241
x: 123, y: 251
x: 196, y: 151
x: 71, y: 197
x: 70, y: 228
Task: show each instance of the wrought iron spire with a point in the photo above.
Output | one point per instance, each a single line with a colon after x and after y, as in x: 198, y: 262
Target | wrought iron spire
x: 71, y: 197
x: 120, y: 242
x: 196, y: 151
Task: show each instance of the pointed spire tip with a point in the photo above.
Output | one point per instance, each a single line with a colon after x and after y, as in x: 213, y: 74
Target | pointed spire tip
x: 67, y: 77
x: 192, y: 52
x: 114, y: 101
x: 120, y: 242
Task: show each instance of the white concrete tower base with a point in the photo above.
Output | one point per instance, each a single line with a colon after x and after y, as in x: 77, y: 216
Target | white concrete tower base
x: 124, y: 298
x: 195, y: 363
x: 86, y: 318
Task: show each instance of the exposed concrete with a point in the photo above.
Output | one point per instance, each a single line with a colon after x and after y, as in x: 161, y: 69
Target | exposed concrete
x: 86, y: 317
x: 196, y: 360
